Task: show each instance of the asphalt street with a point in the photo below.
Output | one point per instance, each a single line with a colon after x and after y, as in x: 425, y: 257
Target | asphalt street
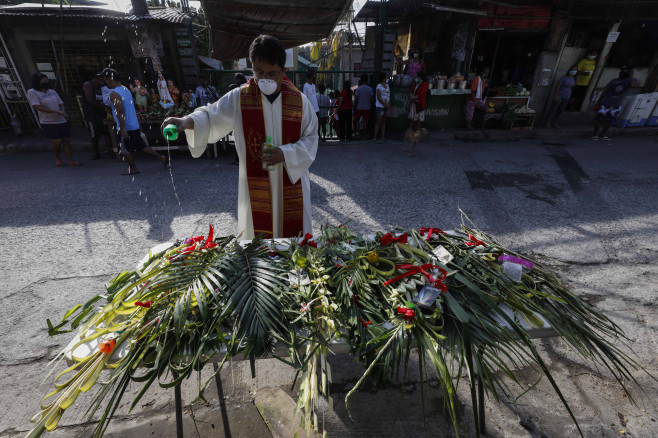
x: 588, y: 209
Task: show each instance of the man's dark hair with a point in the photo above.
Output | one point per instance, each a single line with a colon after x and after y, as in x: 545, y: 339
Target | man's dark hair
x: 310, y: 74
x: 112, y: 74
x: 240, y: 79
x: 269, y: 49
x: 322, y: 88
x: 383, y: 75
x: 36, y: 80
x: 364, y: 78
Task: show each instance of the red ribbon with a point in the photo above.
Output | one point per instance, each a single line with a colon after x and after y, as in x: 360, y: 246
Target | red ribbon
x: 364, y: 322
x: 388, y: 238
x: 407, y: 314
x: 307, y: 241
x: 146, y: 304
x: 473, y: 241
x: 430, y: 232
x: 211, y: 233
x: 413, y: 269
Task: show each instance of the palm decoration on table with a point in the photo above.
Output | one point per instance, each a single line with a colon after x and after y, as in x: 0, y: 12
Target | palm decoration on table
x: 446, y: 294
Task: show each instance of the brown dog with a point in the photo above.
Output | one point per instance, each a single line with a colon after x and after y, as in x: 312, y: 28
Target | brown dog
x: 412, y: 136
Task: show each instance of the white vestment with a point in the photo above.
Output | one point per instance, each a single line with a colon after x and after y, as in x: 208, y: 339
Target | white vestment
x: 214, y: 121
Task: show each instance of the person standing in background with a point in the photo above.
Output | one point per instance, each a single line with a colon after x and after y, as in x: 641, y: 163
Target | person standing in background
x: 52, y: 117
x: 382, y: 104
x: 205, y: 93
x: 310, y: 93
x: 344, y: 107
x: 586, y: 68
x: 562, y: 96
x: 417, y: 101
x: 414, y: 63
x: 323, y: 118
x: 363, y: 100
x: 476, y: 98
x: 94, y: 112
x: 609, y: 105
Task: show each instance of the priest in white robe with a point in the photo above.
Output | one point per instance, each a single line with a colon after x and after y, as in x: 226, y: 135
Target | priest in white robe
x: 274, y: 203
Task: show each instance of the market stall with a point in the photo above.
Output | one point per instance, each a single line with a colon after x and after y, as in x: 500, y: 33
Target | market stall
x: 445, y: 108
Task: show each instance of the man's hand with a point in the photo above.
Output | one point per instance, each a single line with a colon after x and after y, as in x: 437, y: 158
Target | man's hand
x: 180, y: 122
x: 124, y: 133
x: 63, y: 114
x: 273, y: 156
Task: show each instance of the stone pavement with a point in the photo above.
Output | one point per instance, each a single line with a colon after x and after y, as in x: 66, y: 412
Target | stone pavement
x: 587, y: 209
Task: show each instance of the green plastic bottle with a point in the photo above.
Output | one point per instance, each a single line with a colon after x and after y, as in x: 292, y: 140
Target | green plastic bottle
x: 266, y: 146
x: 170, y: 132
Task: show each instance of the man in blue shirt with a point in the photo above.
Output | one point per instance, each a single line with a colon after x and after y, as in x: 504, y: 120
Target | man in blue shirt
x: 125, y: 116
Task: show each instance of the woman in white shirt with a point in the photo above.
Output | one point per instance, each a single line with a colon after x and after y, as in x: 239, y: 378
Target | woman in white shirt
x: 51, y: 116
x: 382, y: 104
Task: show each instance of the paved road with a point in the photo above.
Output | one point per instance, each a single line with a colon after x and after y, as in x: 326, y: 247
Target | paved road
x: 588, y: 208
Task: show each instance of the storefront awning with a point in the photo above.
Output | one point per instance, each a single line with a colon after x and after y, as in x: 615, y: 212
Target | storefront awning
x: 236, y: 23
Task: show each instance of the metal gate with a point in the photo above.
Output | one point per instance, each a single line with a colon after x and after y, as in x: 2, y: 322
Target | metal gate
x: 332, y: 82
x: 13, y: 94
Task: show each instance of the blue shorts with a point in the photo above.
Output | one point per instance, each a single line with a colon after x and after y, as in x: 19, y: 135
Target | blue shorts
x: 56, y: 131
x: 380, y: 111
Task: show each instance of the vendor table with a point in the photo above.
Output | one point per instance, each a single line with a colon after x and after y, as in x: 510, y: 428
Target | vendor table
x: 445, y: 109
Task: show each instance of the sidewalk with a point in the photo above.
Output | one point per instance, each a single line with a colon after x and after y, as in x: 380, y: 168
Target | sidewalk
x: 9, y: 142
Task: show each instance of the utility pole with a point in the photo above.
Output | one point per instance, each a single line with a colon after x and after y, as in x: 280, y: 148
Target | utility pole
x: 350, y: 17
x: 596, y: 76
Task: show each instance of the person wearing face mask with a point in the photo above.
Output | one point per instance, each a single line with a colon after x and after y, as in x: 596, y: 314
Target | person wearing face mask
x: 52, y: 117
x: 562, y: 96
x: 586, y: 68
x: 609, y: 104
x: 274, y: 191
x: 414, y: 63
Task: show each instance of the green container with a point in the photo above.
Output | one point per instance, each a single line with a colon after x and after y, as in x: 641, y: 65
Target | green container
x: 170, y: 132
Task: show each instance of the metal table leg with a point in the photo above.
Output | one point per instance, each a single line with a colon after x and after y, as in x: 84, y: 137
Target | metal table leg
x: 483, y: 428
x: 179, y: 409
x: 222, y: 402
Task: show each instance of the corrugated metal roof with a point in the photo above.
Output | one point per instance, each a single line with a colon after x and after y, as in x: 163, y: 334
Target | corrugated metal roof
x: 161, y: 15
x: 236, y: 23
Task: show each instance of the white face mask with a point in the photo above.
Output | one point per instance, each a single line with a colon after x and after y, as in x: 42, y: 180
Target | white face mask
x: 591, y: 58
x: 267, y: 86
x: 418, y: 80
x: 416, y: 55
x: 572, y: 72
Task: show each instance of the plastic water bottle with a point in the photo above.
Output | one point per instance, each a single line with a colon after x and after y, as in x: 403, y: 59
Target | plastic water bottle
x: 170, y: 132
x: 267, y: 146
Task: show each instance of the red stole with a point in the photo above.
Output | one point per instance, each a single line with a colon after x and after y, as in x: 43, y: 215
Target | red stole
x: 260, y: 192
